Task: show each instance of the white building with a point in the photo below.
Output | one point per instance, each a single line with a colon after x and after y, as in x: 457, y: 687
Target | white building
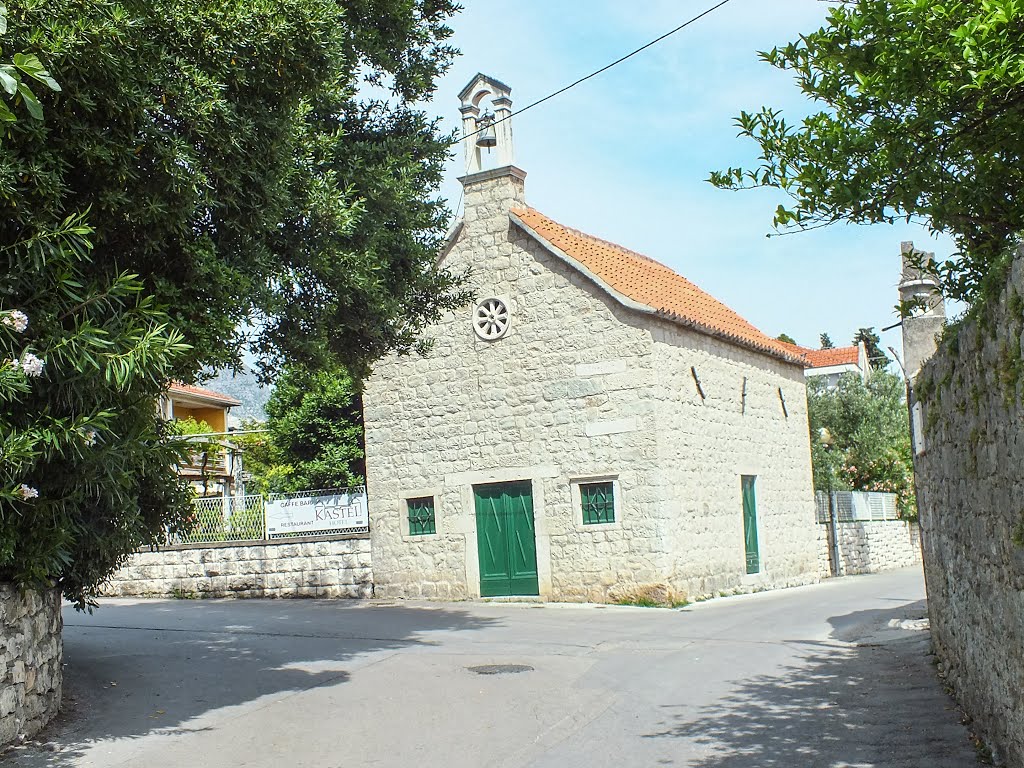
x: 834, y: 362
x: 593, y: 427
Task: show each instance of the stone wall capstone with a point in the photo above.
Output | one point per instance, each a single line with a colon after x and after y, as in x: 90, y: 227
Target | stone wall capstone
x: 970, y: 487
x: 338, y: 566
x: 30, y: 661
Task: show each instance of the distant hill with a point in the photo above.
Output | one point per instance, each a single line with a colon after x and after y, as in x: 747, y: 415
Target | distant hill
x: 244, y: 387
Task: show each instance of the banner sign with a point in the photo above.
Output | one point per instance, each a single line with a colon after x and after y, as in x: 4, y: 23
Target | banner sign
x: 341, y: 512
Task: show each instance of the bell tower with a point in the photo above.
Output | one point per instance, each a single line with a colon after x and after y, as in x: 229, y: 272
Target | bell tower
x: 486, y: 107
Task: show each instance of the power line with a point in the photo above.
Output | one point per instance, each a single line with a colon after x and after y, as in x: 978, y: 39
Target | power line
x: 605, y: 68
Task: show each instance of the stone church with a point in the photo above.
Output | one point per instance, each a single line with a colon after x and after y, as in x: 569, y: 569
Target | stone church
x: 593, y: 427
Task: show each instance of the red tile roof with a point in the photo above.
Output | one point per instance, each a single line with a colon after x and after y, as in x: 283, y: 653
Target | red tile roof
x: 206, y: 394
x: 651, y: 284
x: 825, y: 358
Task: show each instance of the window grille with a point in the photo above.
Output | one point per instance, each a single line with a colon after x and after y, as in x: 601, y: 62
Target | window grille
x: 421, y: 516
x: 598, y: 501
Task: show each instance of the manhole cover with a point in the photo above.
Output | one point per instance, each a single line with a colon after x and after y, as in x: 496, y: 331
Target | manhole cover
x: 500, y: 669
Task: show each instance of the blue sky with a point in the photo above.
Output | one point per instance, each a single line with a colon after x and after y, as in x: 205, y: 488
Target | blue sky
x: 625, y: 155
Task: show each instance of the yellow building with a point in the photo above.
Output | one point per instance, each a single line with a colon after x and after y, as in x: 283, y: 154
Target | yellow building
x: 211, y: 470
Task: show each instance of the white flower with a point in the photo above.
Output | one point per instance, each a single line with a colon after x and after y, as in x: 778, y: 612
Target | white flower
x: 15, y: 319
x: 32, y: 365
x: 90, y: 437
x: 27, y: 492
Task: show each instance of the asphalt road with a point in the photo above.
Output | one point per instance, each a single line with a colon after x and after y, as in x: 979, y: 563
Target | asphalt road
x: 814, y: 676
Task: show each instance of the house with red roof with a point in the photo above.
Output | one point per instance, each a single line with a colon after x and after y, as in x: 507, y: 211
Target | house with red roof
x: 834, y: 362
x: 212, y: 470
x: 592, y: 427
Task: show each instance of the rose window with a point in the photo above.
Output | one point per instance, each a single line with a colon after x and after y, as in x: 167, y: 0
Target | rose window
x: 490, y: 319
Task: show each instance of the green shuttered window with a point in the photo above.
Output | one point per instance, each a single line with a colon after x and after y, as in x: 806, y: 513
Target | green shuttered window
x: 421, y: 516
x: 598, y: 501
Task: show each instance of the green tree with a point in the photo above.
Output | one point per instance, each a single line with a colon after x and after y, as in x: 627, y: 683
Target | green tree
x: 873, y: 346
x: 314, y: 435
x: 870, y: 448
x: 921, y: 121
x: 84, y: 478
x: 227, y: 156
x: 235, y: 180
x: 785, y: 337
x: 826, y: 341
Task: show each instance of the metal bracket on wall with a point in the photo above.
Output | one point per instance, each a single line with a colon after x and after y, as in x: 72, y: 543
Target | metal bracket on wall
x: 700, y: 389
x: 782, y: 399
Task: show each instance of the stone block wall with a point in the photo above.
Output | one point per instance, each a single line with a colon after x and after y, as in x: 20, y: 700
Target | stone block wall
x: 338, y: 566
x: 30, y: 661
x: 971, y: 486
x: 871, y: 546
x: 748, y: 417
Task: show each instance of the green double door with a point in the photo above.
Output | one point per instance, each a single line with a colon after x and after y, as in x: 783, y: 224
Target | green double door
x: 506, y: 539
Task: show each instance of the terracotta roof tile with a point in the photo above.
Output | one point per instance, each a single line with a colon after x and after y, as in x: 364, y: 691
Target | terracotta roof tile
x: 825, y: 358
x: 209, y: 394
x: 822, y: 358
x: 653, y: 285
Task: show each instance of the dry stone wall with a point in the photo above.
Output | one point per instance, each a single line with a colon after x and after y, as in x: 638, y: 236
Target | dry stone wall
x: 970, y: 486
x: 335, y: 567
x: 30, y: 661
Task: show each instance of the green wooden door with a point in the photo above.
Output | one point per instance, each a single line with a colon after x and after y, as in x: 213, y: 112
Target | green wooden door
x: 750, y: 524
x: 506, y: 539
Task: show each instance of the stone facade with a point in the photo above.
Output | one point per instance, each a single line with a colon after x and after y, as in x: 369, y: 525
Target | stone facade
x: 970, y: 488
x: 583, y: 388
x: 338, y: 566
x: 30, y: 661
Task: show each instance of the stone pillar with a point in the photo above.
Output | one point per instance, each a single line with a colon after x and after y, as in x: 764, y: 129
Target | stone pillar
x: 928, y: 318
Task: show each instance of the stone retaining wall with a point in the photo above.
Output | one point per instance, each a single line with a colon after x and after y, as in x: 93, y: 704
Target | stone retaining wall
x: 30, y: 661
x: 871, y: 546
x: 338, y: 566
x: 970, y: 493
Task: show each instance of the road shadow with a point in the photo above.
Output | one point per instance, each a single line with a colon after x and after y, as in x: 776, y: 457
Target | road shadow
x: 135, y: 668
x: 865, y: 698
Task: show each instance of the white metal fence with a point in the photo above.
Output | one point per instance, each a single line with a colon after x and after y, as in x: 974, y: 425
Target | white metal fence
x: 224, y: 518
x: 247, y: 518
x: 855, y: 506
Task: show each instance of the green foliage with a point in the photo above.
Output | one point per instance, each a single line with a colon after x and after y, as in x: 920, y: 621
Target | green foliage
x: 921, y: 121
x: 85, y: 474
x: 785, y: 337
x: 235, y: 179
x: 189, y: 426
x: 872, y: 344
x: 871, y: 437
x: 826, y: 342
x: 316, y: 422
x: 14, y: 90
x: 314, y: 438
x: 228, y: 159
